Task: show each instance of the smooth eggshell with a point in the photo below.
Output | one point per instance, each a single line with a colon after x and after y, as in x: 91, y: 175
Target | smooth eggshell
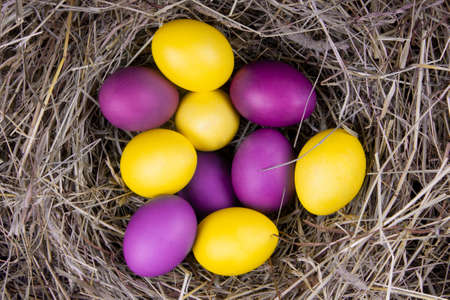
x: 210, y: 189
x: 269, y: 190
x: 159, y: 236
x: 207, y: 119
x: 193, y: 55
x: 158, y: 161
x: 137, y: 99
x: 234, y: 241
x: 271, y: 93
x: 330, y: 171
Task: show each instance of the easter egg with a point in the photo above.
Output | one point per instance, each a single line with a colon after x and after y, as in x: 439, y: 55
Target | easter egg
x: 193, y: 55
x: 158, y: 161
x: 159, y: 236
x: 210, y: 189
x: 271, y: 93
x: 330, y: 171
x: 207, y: 119
x: 234, y: 241
x: 137, y: 99
x: 256, y: 187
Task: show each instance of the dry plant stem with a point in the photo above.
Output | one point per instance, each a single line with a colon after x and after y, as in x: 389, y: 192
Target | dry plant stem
x: 40, y: 110
x: 381, y: 71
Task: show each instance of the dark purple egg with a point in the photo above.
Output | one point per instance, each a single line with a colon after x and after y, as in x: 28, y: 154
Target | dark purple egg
x: 159, y: 236
x: 210, y: 189
x: 137, y: 99
x: 255, y: 187
x: 271, y: 93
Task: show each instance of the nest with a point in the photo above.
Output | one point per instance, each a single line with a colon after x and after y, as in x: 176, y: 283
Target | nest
x: 380, y: 69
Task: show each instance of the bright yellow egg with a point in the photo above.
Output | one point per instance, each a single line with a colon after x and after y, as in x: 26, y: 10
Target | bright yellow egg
x: 234, y: 241
x: 331, y: 172
x: 193, y: 55
x: 158, y: 161
x: 207, y: 119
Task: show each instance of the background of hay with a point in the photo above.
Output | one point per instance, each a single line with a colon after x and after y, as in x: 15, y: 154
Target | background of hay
x: 380, y: 69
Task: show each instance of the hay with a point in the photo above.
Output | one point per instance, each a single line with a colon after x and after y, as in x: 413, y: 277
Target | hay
x: 380, y: 70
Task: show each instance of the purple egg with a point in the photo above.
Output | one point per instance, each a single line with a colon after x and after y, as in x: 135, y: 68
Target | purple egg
x: 159, y: 236
x: 255, y: 187
x: 137, y: 99
x: 210, y: 189
x: 271, y: 93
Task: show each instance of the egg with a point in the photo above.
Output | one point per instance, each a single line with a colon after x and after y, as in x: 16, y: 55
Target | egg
x: 158, y: 161
x: 207, y: 119
x: 210, y: 189
x: 159, y: 236
x: 256, y: 187
x: 329, y: 171
x: 271, y: 93
x: 193, y: 55
x: 234, y: 241
x: 137, y: 99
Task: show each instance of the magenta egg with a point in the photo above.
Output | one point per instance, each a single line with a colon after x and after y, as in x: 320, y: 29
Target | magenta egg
x: 255, y: 186
x: 210, y: 189
x: 271, y: 93
x: 137, y: 99
x: 159, y: 236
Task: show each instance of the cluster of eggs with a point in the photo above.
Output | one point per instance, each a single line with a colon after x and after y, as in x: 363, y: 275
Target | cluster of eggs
x: 186, y: 177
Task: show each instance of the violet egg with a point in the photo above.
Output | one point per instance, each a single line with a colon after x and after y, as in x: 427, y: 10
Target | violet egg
x: 210, y: 189
x: 271, y: 93
x: 255, y: 186
x: 137, y: 99
x: 159, y: 236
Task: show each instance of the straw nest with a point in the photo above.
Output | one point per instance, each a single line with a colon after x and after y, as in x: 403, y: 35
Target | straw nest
x: 380, y: 69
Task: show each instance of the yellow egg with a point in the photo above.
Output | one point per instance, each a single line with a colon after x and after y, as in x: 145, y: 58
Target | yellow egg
x: 234, y: 241
x: 330, y: 175
x: 158, y: 161
x: 207, y: 119
x: 193, y: 55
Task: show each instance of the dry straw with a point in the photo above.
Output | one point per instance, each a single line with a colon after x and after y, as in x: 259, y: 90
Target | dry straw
x: 381, y: 70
